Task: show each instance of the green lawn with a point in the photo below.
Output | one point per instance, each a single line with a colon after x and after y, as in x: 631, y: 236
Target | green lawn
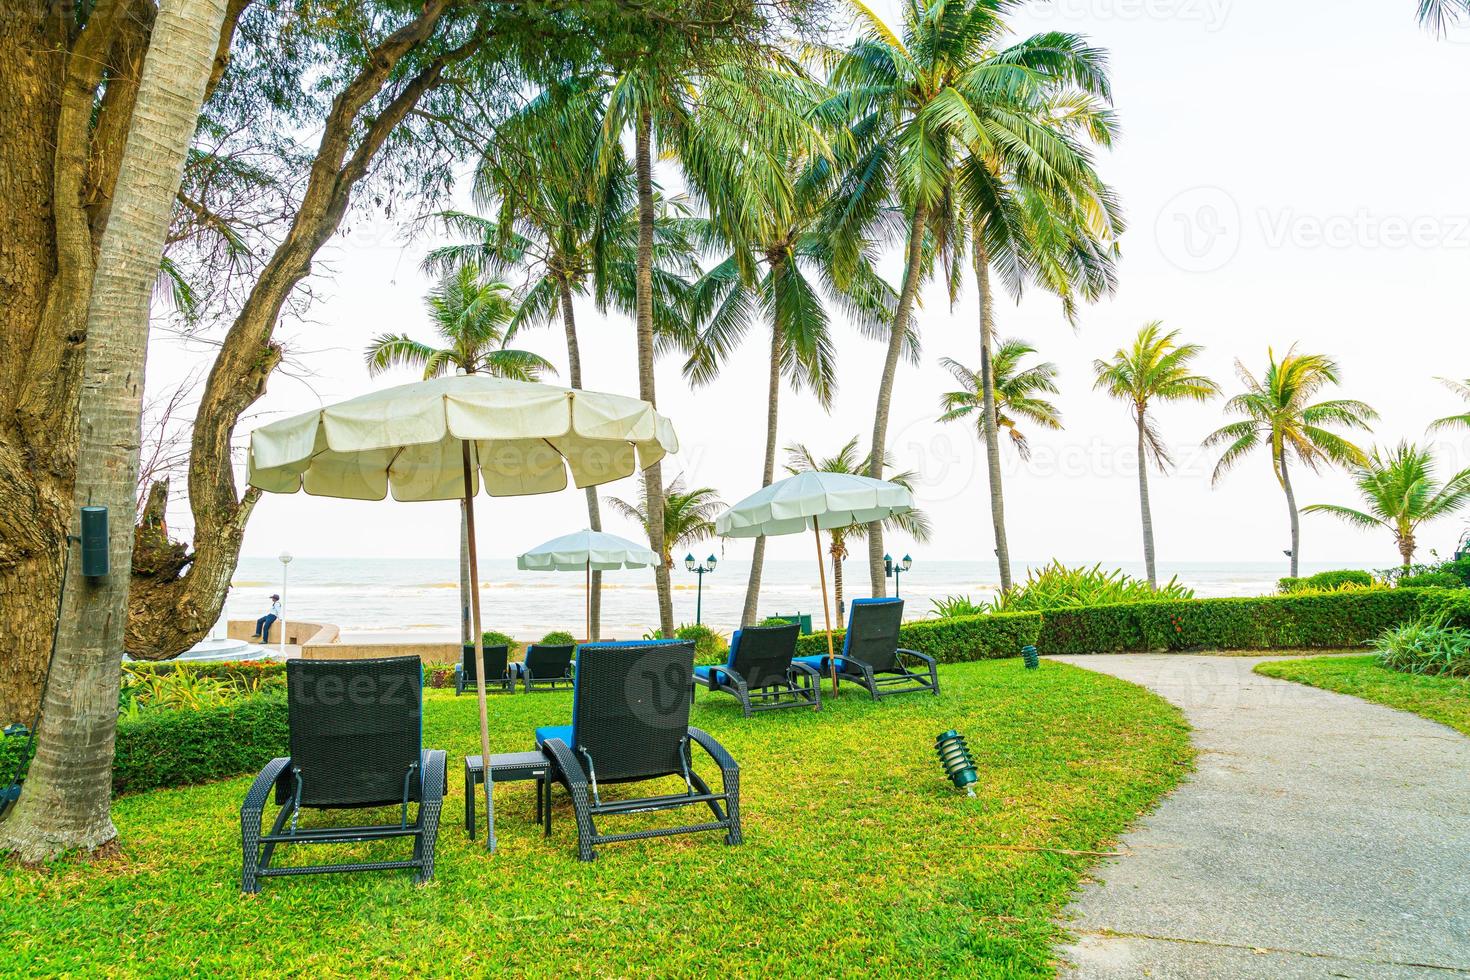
x: 1442, y: 699
x: 859, y: 856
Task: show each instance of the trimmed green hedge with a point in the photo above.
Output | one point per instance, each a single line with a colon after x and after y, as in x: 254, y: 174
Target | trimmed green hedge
x: 221, y: 670
x: 950, y: 641
x: 178, y: 748
x: 1453, y: 604
x: 1337, y: 579
x: 1323, y: 620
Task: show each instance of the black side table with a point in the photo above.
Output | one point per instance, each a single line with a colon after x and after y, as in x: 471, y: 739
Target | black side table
x: 504, y: 768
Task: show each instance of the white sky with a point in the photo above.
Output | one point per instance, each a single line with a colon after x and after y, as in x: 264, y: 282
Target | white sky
x: 1290, y: 171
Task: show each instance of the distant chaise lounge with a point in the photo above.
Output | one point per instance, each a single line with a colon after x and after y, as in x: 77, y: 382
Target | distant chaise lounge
x: 498, y: 676
x: 872, y: 657
x: 762, y: 673
x: 355, y: 742
x: 547, y: 668
x: 630, y: 723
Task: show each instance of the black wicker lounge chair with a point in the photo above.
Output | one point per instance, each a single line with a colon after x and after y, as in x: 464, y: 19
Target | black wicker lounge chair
x: 547, y: 668
x: 872, y: 657
x: 761, y: 673
x: 355, y: 742
x: 630, y: 723
x: 498, y: 675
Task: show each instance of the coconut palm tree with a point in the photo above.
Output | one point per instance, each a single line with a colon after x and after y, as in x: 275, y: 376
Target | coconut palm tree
x: 1438, y: 16
x: 1018, y: 394
x: 849, y: 459
x: 1279, y: 415
x: 1155, y: 368
x: 471, y: 315
x: 1400, y: 492
x: 949, y: 123
x: 688, y: 515
x: 1461, y: 388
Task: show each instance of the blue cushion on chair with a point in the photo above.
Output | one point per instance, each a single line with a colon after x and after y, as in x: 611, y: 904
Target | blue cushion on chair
x: 546, y: 733
x: 702, y: 674
x: 820, y: 662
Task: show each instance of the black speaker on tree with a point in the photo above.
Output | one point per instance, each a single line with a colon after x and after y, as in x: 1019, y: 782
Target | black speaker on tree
x: 94, y: 542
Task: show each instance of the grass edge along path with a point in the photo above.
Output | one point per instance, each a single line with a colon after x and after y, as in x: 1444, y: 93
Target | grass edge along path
x: 859, y: 855
x: 1442, y: 699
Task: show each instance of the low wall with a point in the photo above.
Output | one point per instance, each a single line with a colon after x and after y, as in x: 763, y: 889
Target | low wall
x: 429, y: 653
x: 298, y: 633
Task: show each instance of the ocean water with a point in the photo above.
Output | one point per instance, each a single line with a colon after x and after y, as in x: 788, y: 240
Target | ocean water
x: 420, y: 597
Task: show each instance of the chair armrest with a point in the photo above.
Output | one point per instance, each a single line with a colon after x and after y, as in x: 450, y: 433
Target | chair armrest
x: 260, y: 790
x: 861, y: 665
x: 800, y: 667
x: 714, y: 749
x: 565, y: 761
x: 434, y: 765
x: 922, y: 656
x: 715, y: 670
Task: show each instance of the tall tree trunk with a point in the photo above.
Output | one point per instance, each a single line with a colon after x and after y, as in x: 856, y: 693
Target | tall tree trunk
x: 653, y: 477
x: 1143, y: 501
x: 1407, y: 546
x: 837, y: 584
x: 466, y: 589
x: 991, y: 419
x: 901, y: 318
x: 1296, y: 524
x: 594, y: 510
x: 67, y: 796
x: 768, y: 473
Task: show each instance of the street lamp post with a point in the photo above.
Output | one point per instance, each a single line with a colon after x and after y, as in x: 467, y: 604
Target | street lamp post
x: 700, y: 570
x: 893, y: 570
x: 285, y: 557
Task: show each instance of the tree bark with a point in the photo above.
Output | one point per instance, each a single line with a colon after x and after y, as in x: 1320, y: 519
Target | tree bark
x: 1143, y: 500
x: 901, y: 318
x: 1296, y: 526
x: 1407, y: 546
x: 168, y: 615
x: 594, y: 509
x: 68, y: 791
x: 991, y: 421
x: 837, y: 553
x: 768, y: 473
x: 653, y: 477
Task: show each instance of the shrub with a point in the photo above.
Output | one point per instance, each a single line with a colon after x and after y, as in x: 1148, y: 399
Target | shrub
x: 177, y: 748
x: 985, y: 637
x: 1057, y: 587
x: 774, y: 621
x: 1327, y: 581
x: 1431, y: 580
x: 956, y: 605
x: 1451, y: 606
x: 1429, y: 645
x: 710, y: 647
x: 558, y: 638
x: 1324, y: 620
x: 493, y: 639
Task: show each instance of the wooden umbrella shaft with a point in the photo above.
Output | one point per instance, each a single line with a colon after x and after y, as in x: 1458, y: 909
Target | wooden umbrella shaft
x: 826, y: 608
x: 469, y: 518
x: 587, y: 597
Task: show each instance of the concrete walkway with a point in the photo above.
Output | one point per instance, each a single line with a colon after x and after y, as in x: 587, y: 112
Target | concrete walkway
x: 1322, y: 836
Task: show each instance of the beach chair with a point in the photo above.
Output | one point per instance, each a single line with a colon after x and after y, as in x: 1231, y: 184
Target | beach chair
x: 630, y: 723
x: 547, y: 668
x: 355, y: 742
x: 498, y: 675
x: 762, y: 673
x: 872, y: 657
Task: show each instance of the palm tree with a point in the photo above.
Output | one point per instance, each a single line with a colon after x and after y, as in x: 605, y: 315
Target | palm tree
x: 782, y: 270
x: 688, y: 515
x: 1279, y: 414
x: 917, y: 106
x: 471, y: 316
x: 1018, y: 391
x: 1155, y: 368
x: 800, y: 459
x: 1400, y: 491
x: 1439, y: 15
x: 1461, y: 388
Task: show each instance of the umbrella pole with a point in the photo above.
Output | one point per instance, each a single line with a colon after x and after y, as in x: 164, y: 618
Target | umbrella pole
x: 469, y: 516
x: 826, y: 609
x: 587, y: 595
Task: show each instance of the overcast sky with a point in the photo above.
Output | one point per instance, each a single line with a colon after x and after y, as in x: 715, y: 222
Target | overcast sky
x: 1291, y: 172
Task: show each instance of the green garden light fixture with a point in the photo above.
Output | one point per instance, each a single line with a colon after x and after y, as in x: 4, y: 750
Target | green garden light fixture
x: 1029, y: 655
x: 958, y: 764
x: 700, y: 570
x: 894, y: 570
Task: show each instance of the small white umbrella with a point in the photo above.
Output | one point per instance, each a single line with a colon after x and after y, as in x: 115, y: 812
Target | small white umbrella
x: 587, y: 551
x: 443, y: 439
x: 820, y: 502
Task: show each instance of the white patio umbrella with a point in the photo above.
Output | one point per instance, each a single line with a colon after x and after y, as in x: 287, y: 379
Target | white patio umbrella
x: 819, y: 501
x: 444, y: 439
x: 587, y: 551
